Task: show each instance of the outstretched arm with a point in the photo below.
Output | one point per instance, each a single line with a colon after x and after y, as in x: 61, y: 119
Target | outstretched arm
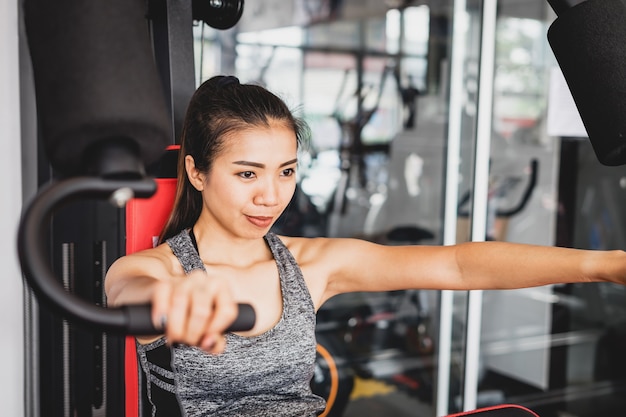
x: 363, y: 266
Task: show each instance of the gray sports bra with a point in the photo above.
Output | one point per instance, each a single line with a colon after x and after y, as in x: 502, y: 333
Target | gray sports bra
x: 264, y: 375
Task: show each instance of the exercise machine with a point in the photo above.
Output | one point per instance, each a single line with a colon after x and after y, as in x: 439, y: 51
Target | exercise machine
x: 104, y: 179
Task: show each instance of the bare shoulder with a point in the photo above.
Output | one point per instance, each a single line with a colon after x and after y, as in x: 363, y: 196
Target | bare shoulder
x: 332, y: 251
x: 329, y: 265
x: 301, y: 246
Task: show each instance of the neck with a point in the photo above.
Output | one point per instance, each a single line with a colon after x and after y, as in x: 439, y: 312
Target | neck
x: 236, y: 251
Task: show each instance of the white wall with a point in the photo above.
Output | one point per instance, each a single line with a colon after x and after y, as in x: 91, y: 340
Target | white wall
x: 11, y: 286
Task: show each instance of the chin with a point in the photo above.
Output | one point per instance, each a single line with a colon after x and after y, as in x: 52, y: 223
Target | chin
x: 254, y: 234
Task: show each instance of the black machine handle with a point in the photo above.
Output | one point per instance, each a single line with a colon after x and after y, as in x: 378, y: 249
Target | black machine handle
x: 530, y: 186
x: 32, y: 251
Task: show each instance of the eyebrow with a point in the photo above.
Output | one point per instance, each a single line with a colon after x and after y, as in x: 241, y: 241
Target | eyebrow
x: 258, y: 165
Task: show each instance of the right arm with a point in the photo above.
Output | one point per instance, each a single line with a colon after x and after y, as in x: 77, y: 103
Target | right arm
x: 196, y: 308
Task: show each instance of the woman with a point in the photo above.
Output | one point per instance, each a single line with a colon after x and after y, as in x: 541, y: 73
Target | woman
x: 237, y: 171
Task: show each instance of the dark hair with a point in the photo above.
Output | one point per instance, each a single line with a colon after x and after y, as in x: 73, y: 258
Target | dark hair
x: 219, y: 107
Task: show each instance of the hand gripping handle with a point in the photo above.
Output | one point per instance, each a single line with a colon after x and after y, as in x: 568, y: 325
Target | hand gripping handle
x: 32, y: 252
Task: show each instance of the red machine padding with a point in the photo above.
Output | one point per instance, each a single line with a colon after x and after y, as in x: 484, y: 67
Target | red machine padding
x: 145, y: 217
x: 144, y: 221
x: 504, y: 410
x: 131, y: 378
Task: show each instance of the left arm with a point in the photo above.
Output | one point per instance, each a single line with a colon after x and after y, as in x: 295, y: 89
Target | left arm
x: 355, y: 265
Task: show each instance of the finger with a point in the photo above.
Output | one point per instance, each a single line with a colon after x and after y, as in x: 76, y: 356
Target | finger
x: 199, y: 315
x: 214, y: 343
x: 177, y: 317
x: 160, y: 306
x: 220, y: 344
x: 225, y: 312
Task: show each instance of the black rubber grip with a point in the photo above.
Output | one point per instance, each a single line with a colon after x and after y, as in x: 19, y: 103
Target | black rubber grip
x: 139, y: 319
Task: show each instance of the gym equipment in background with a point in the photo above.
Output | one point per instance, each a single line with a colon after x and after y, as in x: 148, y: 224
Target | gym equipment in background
x: 498, y: 214
x: 223, y: 14
x: 588, y: 39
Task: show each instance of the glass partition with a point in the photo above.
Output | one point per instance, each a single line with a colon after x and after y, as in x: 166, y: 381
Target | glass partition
x: 543, y: 347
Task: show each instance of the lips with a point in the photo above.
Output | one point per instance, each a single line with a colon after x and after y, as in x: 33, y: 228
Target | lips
x: 260, y: 221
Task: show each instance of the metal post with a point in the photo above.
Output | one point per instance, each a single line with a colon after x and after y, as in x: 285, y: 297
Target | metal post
x: 172, y: 31
x: 451, y: 198
x: 481, y: 185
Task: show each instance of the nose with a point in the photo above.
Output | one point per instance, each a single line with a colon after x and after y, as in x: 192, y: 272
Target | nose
x: 268, y: 194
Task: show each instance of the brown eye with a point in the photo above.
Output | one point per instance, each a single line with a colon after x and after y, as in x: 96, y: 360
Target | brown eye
x: 288, y: 172
x: 246, y: 174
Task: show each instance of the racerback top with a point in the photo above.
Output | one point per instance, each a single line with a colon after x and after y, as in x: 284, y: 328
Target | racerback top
x: 264, y: 375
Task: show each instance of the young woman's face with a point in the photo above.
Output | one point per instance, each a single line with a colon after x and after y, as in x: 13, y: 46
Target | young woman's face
x: 251, y: 181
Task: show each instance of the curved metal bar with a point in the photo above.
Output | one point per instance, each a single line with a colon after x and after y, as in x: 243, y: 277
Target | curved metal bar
x: 33, y: 256
x: 530, y: 186
x: 32, y: 251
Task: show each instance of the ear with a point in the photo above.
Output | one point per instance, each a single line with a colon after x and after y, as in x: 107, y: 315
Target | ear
x: 196, y: 178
